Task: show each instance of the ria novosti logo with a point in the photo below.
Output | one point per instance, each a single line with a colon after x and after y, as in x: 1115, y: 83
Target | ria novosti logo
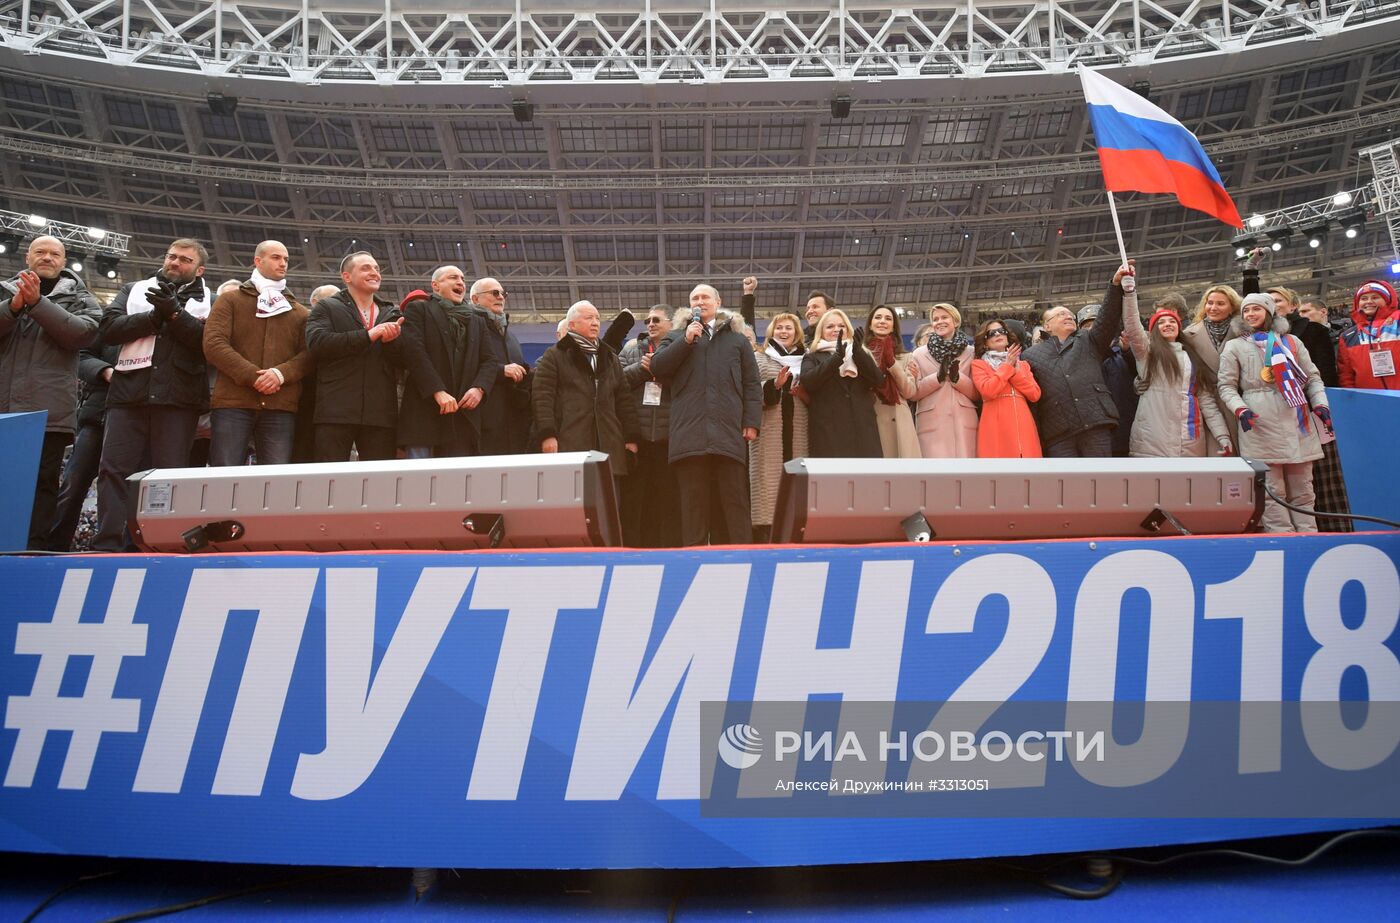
x: 740, y: 746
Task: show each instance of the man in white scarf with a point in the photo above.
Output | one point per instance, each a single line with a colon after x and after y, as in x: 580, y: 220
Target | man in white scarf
x: 256, y: 338
x: 158, y: 382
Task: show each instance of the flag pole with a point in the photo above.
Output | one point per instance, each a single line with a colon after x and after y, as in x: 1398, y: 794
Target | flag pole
x: 1117, y: 228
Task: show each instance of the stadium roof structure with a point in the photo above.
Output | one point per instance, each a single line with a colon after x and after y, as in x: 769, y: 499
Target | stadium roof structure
x: 622, y: 155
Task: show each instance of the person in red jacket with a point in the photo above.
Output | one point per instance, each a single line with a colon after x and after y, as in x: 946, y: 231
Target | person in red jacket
x: 1369, y: 351
x: 1007, y: 428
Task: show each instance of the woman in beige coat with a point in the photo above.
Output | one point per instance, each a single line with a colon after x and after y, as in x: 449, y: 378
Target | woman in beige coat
x: 1269, y: 383
x: 946, y: 419
x: 892, y: 416
x: 1216, y: 323
x: 783, y: 435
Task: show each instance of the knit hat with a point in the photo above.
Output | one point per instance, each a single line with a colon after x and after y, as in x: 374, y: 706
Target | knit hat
x: 1264, y: 301
x: 1161, y: 313
x: 945, y: 306
x: 1384, y: 289
x: 1087, y: 313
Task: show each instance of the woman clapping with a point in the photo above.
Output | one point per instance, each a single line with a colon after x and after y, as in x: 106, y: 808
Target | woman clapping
x: 839, y: 374
x: 947, y: 415
x: 892, y: 415
x: 1007, y: 428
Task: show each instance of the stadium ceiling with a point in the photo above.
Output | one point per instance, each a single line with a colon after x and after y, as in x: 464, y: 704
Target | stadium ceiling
x: 678, y: 142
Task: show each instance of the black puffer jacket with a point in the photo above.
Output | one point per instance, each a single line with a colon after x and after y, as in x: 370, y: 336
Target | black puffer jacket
x: 1073, y: 395
x: 715, y: 391
x: 584, y: 408
x: 654, y: 419
x: 176, y: 376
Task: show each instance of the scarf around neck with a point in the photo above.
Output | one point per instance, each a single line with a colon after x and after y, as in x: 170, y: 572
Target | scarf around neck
x: 589, y: 347
x: 848, y: 361
x: 792, y: 360
x: 947, y: 353
x: 882, y: 348
x: 994, y: 358
x: 138, y: 354
x: 1287, y: 374
x: 271, y: 300
x: 499, y: 320
x: 1218, y: 330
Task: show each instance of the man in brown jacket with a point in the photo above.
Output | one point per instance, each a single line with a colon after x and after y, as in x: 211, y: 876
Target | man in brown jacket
x: 256, y: 337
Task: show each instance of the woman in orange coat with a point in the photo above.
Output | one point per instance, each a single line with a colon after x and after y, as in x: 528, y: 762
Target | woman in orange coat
x: 1007, y: 429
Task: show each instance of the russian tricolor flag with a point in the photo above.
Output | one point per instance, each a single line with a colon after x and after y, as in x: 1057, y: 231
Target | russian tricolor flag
x: 1142, y: 149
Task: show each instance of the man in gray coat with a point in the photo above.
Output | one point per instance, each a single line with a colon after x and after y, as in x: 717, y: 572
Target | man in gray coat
x: 46, y: 316
x: 1076, y: 412
x: 716, y: 408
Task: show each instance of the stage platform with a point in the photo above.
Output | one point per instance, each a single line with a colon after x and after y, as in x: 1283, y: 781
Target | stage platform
x: 1358, y: 880
x: 635, y: 709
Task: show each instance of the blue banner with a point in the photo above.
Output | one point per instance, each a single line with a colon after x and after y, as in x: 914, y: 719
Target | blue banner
x: 544, y: 710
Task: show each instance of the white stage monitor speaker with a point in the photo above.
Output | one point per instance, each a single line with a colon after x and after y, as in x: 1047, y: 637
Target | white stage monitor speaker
x: 566, y: 500
x: 839, y: 500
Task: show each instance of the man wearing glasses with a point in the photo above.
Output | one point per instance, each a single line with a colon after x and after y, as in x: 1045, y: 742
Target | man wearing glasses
x: 505, y: 411
x: 651, y: 516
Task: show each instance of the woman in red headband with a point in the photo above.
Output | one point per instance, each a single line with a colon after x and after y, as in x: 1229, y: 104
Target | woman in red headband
x: 1177, y: 415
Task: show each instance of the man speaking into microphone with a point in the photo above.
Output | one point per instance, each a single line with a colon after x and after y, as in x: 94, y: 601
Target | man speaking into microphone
x: 716, y: 408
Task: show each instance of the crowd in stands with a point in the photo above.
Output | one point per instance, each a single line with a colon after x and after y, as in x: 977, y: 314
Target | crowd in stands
x: 696, y: 414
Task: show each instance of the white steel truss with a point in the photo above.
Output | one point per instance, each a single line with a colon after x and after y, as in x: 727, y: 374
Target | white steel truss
x: 538, y: 43
x: 1385, y: 161
x: 96, y: 241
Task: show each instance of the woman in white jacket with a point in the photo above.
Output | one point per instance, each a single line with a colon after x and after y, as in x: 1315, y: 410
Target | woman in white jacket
x: 1176, y: 414
x: 1268, y: 381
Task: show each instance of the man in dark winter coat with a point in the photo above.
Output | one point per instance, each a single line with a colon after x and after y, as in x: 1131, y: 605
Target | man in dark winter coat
x: 356, y: 387
x: 716, y: 409
x: 46, y: 316
x: 451, y: 370
x: 160, y: 383
x: 580, y: 396
x: 1076, y: 412
x: 505, y: 413
x: 651, y: 513
x: 1120, y: 374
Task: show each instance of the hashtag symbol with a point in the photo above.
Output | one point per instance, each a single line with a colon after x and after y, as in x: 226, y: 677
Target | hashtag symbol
x: 94, y: 712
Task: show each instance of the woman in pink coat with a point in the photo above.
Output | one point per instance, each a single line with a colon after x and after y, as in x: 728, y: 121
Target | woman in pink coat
x: 1007, y: 429
x: 946, y: 418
